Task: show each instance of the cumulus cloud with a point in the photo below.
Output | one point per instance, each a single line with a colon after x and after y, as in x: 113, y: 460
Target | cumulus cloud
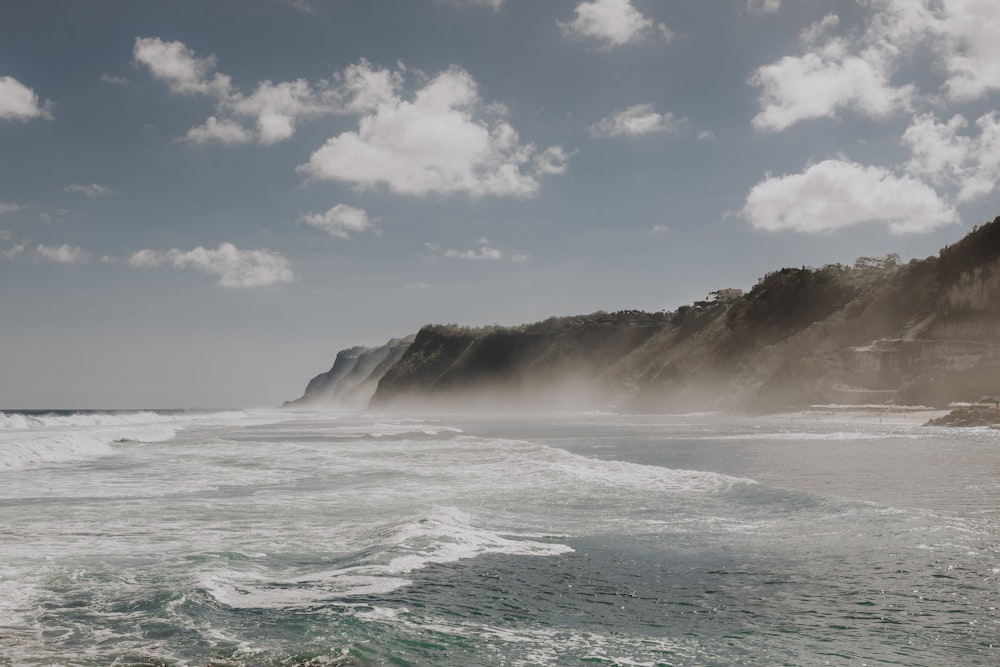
x: 971, y: 50
x: 763, y: 6
x: 115, y: 80
x: 819, y: 83
x: 947, y: 158
x: 438, y: 142
x: 838, y: 193
x: 63, y: 254
x: 856, y: 71
x: 303, y: 6
x: 180, y: 68
x: 341, y: 221
x: 276, y: 107
x: 235, y: 268
x: 614, y: 22
x: 273, y: 107
x: 8, y: 208
x: 92, y: 190
x: 553, y: 160
x: 495, y: 4
x: 484, y: 251
x: 222, y: 131
x: 635, y: 121
x: 441, y: 140
x: 12, y: 252
x: 18, y: 102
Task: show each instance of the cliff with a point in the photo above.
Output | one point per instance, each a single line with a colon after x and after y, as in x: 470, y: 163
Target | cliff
x: 926, y: 332
x: 561, y: 363
x: 352, y: 380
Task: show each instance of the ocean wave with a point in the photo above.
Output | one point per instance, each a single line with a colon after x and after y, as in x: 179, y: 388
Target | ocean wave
x: 524, y: 463
x: 442, y: 535
x: 85, y: 418
x: 55, y: 437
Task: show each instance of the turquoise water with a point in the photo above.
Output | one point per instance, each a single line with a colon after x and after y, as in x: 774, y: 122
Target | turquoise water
x: 276, y: 538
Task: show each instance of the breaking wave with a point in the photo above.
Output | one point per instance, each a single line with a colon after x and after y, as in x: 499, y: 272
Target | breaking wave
x: 30, y: 438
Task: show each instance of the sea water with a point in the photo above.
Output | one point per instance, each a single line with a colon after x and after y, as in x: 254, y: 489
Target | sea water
x: 282, y: 538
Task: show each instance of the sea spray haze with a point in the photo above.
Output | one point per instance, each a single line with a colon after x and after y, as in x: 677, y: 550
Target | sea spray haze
x: 298, y: 538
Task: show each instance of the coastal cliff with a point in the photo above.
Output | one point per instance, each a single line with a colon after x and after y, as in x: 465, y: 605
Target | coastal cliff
x: 925, y: 332
x: 352, y: 380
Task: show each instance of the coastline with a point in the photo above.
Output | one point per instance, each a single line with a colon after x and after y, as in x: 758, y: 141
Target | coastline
x: 867, y: 414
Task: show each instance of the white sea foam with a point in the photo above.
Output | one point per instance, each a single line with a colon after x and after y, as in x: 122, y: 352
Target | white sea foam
x: 50, y: 448
x: 539, y: 466
x: 19, y: 420
x: 445, y: 535
x: 15, y: 593
x: 54, y: 438
x: 448, y: 534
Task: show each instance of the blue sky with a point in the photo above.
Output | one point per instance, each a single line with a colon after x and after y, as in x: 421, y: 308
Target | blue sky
x: 201, y: 202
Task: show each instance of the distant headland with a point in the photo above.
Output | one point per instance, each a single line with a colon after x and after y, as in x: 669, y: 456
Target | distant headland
x: 878, y: 332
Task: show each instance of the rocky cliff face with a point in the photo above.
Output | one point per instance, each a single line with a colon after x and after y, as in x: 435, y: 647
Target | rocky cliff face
x: 927, y: 332
x: 561, y: 363
x: 352, y: 380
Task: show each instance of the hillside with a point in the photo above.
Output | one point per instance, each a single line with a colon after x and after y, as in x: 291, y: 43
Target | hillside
x: 926, y: 332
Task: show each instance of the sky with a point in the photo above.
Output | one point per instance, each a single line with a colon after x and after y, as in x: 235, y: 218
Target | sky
x: 202, y: 201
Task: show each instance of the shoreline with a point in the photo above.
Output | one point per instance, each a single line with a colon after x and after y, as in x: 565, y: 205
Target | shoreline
x: 867, y: 414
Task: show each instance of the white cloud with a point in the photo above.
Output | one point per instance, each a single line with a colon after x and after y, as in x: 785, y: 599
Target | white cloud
x: 763, y: 6
x: 946, y: 157
x: 971, y: 51
x: 63, y: 254
x: 659, y: 230
x: 856, y: 70
x: 92, y: 190
x: 553, y: 160
x: 364, y: 89
x: 12, y: 252
x: 442, y: 140
x: 235, y: 267
x: 341, y: 221
x: 818, y: 83
x: 18, y: 102
x: 485, y: 251
x: 615, y: 22
x: 277, y: 106
x: 635, y: 121
x: 115, y: 80
x: 8, y: 208
x: 495, y: 4
x: 436, y: 143
x: 176, y: 64
x: 223, y: 131
x: 836, y: 193
x: 815, y: 31
x: 303, y: 6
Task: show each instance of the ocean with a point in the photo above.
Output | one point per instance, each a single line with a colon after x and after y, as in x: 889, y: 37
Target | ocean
x: 307, y: 539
